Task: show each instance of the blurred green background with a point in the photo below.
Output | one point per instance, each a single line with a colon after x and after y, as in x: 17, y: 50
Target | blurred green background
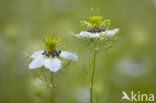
x: 130, y: 65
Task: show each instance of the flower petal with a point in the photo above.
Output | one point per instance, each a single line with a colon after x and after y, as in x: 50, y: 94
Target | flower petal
x: 52, y: 64
x: 112, y: 32
x: 38, y: 53
x: 37, y: 63
x: 69, y: 55
x: 87, y: 34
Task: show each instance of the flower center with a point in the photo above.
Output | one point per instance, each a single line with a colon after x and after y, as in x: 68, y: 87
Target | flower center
x: 96, y: 23
x: 95, y: 31
x: 51, y: 44
x: 53, y: 54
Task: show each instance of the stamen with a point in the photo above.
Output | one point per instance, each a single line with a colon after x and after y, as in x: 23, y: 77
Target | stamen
x: 59, y: 52
x: 55, y: 53
x: 95, y: 31
x: 47, y: 55
x: 102, y: 30
x: 44, y: 52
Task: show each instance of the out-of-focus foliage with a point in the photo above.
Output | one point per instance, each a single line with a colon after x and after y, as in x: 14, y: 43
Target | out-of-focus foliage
x: 129, y: 65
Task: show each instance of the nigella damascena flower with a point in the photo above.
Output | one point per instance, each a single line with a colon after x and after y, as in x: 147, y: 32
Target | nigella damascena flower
x: 100, y: 33
x: 51, y: 58
x: 97, y: 27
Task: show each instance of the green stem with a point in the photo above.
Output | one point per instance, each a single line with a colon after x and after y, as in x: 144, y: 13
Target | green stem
x: 52, y: 88
x: 93, y: 73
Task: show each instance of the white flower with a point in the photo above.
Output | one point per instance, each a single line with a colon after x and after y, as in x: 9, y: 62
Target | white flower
x: 132, y: 68
x: 84, y: 34
x: 50, y: 61
x: 83, y: 95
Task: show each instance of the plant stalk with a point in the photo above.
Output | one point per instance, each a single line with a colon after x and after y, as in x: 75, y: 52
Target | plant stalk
x: 52, y: 88
x: 93, y: 73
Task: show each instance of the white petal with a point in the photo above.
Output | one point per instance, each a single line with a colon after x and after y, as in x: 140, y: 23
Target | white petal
x: 82, y: 34
x: 69, y: 55
x: 38, y: 53
x: 87, y: 34
x: 93, y: 35
x: 52, y: 64
x: 37, y: 63
x: 112, y: 32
